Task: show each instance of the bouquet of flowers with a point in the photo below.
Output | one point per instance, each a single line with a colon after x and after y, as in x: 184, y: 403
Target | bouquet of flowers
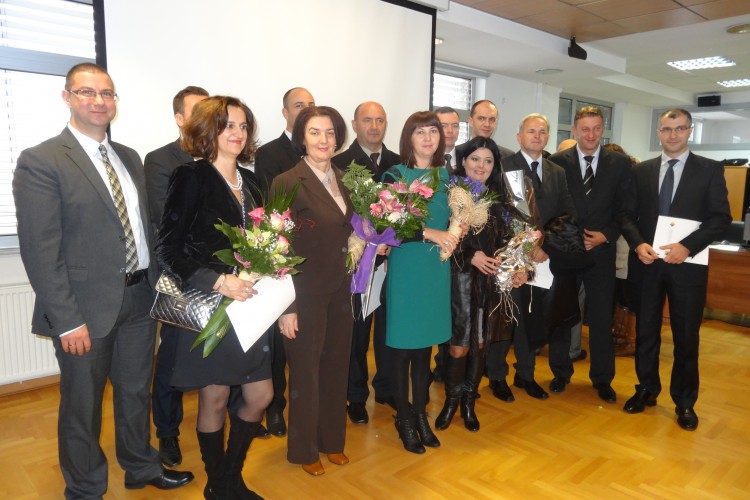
x: 261, y: 248
x: 384, y: 214
x: 469, y: 202
x: 518, y: 215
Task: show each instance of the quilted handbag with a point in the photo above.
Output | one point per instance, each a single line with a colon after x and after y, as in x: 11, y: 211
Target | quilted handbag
x: 190, y: 309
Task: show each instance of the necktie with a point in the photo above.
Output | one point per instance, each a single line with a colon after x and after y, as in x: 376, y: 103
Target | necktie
x: 374, y: 159
x: 588, y: 178
x: 667, y: 186
x: 131, y: 254
x: 535, y: 179
x: 448, y: 163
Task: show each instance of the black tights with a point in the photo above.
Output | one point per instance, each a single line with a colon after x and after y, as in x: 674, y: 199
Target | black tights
x: 419, y: 359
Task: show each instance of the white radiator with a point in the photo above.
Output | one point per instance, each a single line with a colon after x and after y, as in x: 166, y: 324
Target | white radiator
x: 23, y: 356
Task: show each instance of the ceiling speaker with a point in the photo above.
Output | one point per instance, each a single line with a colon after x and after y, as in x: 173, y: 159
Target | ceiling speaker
x: 576, y: 51
x: 709, y: 100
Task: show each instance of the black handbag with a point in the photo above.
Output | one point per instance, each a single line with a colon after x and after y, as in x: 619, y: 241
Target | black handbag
x: 190, y: 309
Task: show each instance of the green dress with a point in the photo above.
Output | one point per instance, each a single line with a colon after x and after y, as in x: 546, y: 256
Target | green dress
x: 418, y: 284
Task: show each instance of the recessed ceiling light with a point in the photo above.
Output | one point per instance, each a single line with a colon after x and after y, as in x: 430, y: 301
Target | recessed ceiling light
x: 739, y: 29
x: 704, y: 63
x: 745, y: 82
x: 438, y: 41
x: 548, y: 71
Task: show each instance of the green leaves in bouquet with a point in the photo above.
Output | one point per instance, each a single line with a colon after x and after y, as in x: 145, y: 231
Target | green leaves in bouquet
x: 215, y: 329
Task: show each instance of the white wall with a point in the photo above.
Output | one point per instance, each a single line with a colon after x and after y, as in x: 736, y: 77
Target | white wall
x: 515, y: 99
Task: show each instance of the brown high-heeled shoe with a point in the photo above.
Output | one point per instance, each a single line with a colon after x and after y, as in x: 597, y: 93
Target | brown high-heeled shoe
x: 314, y: 469
x: 338, y: 458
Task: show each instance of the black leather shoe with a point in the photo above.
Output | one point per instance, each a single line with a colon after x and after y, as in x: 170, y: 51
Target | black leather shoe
x: 262, y: 433
x: 640, y: 400
x: 531, y: 387
x: 275, y: 422
x: 580, y: 357
x: 501, y: 390
x: 167, y: 480
x: 388, y: 400
x: 357, y: 413
x: 169, y: 451
x: 686, y: 418
x: 558, y: 384
x: 605, y: 392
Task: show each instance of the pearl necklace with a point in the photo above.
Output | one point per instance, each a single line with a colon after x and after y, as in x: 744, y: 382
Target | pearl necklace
x: 235, y: 187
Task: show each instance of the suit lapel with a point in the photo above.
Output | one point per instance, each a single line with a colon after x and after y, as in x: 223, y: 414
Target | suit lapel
x: 138, y: 180
x: 689, y: 171
x: 316, y: 188
x: 80, y: 159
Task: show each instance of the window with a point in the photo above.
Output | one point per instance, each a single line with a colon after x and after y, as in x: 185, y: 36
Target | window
x: 39, y: 41
x: 456, y: 92
x: 567, y: 110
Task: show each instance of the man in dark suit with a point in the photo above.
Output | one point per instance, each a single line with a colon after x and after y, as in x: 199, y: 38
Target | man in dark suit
x: 451, y: 123
x: 483, y: 122
x: 552, y: 199
x: 272, y: 159
x: 683, y: 185
x: 369, y: 123
x: 600, y: 183
x: 278, y: 155
x: 92, y: 293
x: 166, y: 401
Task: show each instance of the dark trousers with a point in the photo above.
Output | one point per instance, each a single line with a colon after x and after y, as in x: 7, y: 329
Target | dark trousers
x: 166, y: 401
x: 599, y: 285
x: 411, y: 364
x: 685, y: 287
x: 357, y: 391
x: 278, y: 370
x: 125, y: 356
x: 318, y: 361
x: 497, y: 352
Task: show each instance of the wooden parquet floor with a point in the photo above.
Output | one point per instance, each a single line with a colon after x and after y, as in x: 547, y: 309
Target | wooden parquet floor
x: 571, y: 446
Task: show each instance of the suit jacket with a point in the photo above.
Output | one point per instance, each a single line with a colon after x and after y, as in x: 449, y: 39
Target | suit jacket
x: 613, y: 193
x: 553, y: 198
x: 701, y: 195
x: 273, y: 158
x: 504, y: 152
x: 355, y: 153
x: 72, y: 241
x: 159, y: 165
x: 323, y: 230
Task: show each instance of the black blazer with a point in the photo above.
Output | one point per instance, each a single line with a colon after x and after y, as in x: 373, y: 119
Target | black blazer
x: 274, y: 158
x: 701, y: 195
x: 554, y: 198
x: 355, y: 153
x: 196, y: 199
x: 612, y: 195
x: 159, y: 165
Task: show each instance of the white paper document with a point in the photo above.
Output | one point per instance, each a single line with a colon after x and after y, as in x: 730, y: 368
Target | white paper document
x: 253, y: 317
x: 673, y: 230
x: 371, y: 297
x: 543, y: 276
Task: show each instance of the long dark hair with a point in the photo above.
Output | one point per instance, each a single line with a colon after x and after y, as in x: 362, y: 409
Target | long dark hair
x: 200, y: 135
x: 406, y: 149
x: 479, y: 142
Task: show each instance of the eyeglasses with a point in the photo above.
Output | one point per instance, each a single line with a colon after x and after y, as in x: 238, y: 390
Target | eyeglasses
x: 679, y: 130
x: 107, y: 95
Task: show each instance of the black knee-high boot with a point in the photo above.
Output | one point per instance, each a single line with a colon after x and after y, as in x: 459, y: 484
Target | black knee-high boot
x: 212, y: 453
x: 454, y: 372
x: 241, y: 434
x: 474, y: 368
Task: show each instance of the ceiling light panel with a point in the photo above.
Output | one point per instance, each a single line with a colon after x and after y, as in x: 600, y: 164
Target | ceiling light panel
x: 703, y: 63
x: 745, y: 82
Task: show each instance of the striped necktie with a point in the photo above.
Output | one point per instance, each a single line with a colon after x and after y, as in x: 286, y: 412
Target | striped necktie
x: 588, y: 178
x: 131, y: 254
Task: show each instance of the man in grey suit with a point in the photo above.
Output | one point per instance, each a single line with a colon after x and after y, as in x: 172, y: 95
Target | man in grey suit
x: 166, y: 401
x: 86, y: 243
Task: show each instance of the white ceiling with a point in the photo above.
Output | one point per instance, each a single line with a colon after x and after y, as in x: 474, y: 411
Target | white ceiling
x: 630, y: 68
